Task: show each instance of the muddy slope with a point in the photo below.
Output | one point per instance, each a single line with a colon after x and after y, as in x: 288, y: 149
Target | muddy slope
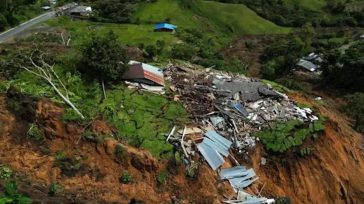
x: 95, y: 168
x: 334, y: 173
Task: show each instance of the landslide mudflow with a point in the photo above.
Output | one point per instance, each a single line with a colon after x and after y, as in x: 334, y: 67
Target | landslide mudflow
x: 333, y: 173
x: 89, y: 171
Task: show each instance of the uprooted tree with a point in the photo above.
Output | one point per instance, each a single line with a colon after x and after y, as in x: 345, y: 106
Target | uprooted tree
x: 45, y: 71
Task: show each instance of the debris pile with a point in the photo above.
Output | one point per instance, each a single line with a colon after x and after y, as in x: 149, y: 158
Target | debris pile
x: 234, y: 105
x: 238, y: 176
x: 228, y: 110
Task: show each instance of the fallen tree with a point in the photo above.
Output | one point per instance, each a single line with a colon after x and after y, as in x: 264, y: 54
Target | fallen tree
x: 46, y: 71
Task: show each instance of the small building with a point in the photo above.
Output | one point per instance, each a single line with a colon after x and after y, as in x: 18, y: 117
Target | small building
x: 46, y: 8
x: 144, y: 73
x: 314, y: 58
x: 81, y: 11
x: 53, y: 2
x: 166, y: 27
x: 307, y: 65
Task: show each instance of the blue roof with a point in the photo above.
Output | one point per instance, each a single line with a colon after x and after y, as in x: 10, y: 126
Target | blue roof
x: 165, y: 26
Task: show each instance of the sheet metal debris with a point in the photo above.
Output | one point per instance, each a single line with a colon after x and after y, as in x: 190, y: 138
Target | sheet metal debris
x: 228, y: 109
x: 233, y: 105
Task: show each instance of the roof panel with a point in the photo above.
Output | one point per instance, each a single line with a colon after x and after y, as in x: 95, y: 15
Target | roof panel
x: 213, y: 158
x: 214, y: 136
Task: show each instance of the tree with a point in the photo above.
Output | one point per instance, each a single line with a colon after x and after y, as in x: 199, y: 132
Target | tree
x: 355, y: 108
x: 116, y: 11
x: 104, y: 58
x: 345, y: 71
x: 307, y: 35
x: 3, y: 22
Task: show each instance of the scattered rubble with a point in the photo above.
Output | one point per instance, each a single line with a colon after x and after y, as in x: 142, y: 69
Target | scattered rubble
x: 228, y: 109
x: 234, y: 105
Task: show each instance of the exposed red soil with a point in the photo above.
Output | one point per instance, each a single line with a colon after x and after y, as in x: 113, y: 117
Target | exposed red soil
x: 248, y: 49
x: 332, y: 174
x: 98, y: 179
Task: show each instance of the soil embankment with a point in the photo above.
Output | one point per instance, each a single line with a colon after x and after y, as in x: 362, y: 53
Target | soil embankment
x: 333, y: 173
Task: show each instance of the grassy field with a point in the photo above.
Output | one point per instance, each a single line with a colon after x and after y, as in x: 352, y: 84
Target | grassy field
x: 212, y: 17
x: 132, y: 34
x: 219, y: 20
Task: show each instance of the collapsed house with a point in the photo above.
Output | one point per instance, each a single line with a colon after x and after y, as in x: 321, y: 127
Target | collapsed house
x: 307, y: 65
x: 144, y: 76
x: 74, y: 10
x: 228, y: 109
x: 80, y: 11
x: 310, y: 63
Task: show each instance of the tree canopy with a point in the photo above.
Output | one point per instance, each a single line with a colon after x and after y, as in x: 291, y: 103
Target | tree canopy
x: 345, y: 70
x: 355, y: 109
x: 104, y: 58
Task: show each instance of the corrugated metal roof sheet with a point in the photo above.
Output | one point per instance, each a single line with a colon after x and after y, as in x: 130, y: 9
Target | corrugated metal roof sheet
x: 216, y: 137
x: 307, y: 65
x: 234, y: 172
x: 217, y: 146
x: 213, y: 158
x: 138, y: 71
x: 237, y: 184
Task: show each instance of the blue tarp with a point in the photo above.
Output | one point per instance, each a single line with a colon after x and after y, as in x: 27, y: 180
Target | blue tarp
x: 167, y: 26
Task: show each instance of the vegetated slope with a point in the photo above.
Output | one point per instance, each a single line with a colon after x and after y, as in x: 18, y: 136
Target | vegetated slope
x: 209, y: 16
x: 133, y: 34
x: 333, y: 173
x: 313, y: 5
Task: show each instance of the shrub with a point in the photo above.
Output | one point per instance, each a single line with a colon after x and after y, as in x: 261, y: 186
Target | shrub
x: 11, y: 195
x: 69, y: 166
x: 305, y: 151
x: 184, y: 51
x: 53, y: 189
x: 5, y: 172
x: 35, y: 133
x: 126, y: 178
x: 162, y: 178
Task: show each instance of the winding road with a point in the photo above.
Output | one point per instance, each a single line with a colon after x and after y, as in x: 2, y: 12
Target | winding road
x: 20, y: 28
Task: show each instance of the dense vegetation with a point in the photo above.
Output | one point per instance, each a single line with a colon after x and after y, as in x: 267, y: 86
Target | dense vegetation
x: 104, y: 58
x: 297, y: 13
x: 345, y: 69
x: 280, y: 57
x: 285, y: 136
x: 12, y: 12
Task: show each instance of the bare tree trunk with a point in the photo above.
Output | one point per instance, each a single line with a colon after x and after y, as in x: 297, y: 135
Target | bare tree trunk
x: 103, y: 88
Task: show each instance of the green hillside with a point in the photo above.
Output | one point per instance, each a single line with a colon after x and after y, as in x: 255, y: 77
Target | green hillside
x: 313, y: 5
x: 210, y: 16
